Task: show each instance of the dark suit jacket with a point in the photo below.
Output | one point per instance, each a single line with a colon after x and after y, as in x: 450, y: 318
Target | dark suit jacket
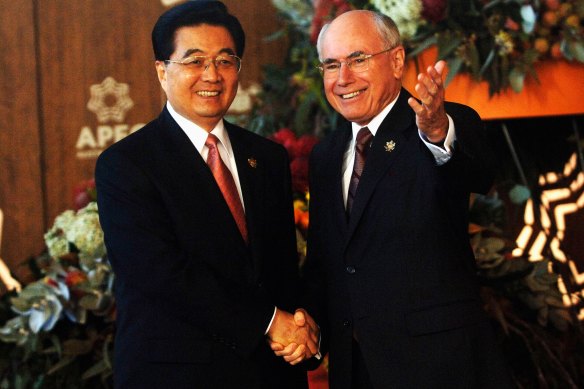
x: 193, y: 301
x: 400, y: 274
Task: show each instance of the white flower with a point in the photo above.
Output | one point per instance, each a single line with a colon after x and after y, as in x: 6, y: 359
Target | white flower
x: 407, y: 14
x: 86, y: 234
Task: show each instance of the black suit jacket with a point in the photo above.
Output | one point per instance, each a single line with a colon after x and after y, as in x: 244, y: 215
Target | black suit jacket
x: 193, y: 300
x: 400, y: 273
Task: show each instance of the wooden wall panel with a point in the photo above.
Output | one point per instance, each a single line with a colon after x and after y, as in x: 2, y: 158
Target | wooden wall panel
x: 259, y: 20
x: 84, y: 43
x: 20, y: 166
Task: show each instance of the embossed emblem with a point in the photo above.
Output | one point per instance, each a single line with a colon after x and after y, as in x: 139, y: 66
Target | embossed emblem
x: 389, y: 146
x: 97, y: 103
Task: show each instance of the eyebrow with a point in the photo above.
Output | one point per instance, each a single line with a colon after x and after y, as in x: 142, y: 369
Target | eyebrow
x: 225, y: 50
x: 354, y: 54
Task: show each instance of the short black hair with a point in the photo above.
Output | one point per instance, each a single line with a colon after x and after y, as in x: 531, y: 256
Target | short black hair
x: 194, y: 13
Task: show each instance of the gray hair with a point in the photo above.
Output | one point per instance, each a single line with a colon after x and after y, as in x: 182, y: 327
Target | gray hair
x: 386, y: 28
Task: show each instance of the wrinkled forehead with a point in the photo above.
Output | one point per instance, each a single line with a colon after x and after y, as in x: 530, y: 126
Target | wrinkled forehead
x: 346, y: 37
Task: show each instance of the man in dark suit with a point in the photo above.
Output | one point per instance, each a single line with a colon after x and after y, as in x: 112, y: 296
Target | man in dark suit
x: 198, y: 222
x: 389, y: 266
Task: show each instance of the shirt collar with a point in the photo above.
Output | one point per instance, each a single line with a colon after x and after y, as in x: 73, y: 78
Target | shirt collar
x: 197, y: 134
x: 374, y: 124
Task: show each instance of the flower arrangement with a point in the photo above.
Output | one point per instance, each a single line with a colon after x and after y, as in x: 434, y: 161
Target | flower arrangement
x: 299, y: 149
x: 63, y: 328
x: 501, y: 42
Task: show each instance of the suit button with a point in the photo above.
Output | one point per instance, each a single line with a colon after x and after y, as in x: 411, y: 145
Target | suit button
x: 346, y: 323
x: 350, y: 269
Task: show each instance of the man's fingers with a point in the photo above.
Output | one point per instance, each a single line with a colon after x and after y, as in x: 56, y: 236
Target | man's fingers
x: 298, y: 353
x: 275, y: 346
x: 299, y: 318
x: 287, y: 351
x: 439, y: 67
x: 416, y: 106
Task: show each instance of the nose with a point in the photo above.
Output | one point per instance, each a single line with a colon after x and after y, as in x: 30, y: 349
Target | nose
x: 345, y: 74
x: 210, y: 73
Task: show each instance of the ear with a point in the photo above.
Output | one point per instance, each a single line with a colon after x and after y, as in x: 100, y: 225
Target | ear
x: 398, y: 59
x: 161, y: 72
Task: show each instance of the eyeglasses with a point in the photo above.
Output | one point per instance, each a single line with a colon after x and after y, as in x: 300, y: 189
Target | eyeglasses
x: 200, y: 63
x: 360, y: 63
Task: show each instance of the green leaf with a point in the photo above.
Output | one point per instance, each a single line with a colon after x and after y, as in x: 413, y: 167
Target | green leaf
x: 487, y: 62
x: 98, y: 368
x: 577, y: 50
x: 447, y: 49
x: 454, y: 66
x: 432, y: 40
x: 61, y: 364
x: 74, y: 347
x: 275, y: 36
x: 517, y: 79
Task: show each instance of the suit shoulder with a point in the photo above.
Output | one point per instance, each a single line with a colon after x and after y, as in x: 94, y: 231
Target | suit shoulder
x: 460, y: 109
x: 136, y: 142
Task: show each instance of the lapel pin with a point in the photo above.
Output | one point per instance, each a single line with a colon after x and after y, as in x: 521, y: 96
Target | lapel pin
x: 389, y: 146
x: 252, y: 162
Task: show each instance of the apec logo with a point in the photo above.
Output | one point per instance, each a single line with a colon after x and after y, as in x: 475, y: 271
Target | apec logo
x: 110, y: 101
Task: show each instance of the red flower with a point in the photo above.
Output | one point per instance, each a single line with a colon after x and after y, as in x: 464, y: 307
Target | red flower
x: 324, y: 12
x: 74, y: 278
x: 283, y: 135
x: 84, y: 193
x: 304, y: 145
x: 434, y: 10
x: 298, y: 150
x: 299, y: 169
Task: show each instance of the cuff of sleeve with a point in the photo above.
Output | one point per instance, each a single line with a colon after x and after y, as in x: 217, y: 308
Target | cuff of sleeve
x: 442, y: 153
x: 271, y: 321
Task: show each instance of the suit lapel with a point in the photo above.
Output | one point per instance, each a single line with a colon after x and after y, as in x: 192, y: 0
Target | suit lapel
x: 341, y: 139
x: 248, y: 159
x: 386, y: 148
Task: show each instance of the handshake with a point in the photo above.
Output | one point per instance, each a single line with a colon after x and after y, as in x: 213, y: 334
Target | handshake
x: 294, y: 337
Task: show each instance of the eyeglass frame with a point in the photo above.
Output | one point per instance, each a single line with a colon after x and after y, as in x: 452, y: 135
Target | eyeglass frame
x: 349, y: 62
x: 208, y: 61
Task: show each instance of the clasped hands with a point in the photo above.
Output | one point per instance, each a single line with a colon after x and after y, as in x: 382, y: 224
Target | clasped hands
x: 295, y: 337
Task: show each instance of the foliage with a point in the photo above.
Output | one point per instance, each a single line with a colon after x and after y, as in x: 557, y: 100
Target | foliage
x: 62, y: 334
x: 540, y: 335
x: 501, y: 41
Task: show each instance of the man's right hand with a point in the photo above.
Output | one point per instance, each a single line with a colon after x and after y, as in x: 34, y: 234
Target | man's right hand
x: 294, y: 337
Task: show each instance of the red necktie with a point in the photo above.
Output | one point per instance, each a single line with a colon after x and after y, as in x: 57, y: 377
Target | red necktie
x: 226, y: 184
x: 362, y: 143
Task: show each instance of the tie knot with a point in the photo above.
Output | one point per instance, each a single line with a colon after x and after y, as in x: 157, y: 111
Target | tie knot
x: 211, y: 140
x: 363, y: 137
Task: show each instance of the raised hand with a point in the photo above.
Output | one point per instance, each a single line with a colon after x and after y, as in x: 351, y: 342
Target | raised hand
x: 430, y: 115
x: 294, y: 344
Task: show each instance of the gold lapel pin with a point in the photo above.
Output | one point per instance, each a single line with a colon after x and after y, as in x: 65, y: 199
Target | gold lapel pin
x: 389, y: 146
x: 252, y: 162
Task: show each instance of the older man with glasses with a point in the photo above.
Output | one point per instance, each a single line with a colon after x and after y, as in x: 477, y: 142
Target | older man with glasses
x: 391, y: 273
x: 198, y: 222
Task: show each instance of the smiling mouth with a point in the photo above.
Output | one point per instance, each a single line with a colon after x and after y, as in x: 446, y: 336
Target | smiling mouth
x: 205, y: 93
x: 352, y: 94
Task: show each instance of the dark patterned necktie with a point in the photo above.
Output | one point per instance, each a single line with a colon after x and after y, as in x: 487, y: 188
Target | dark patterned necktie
x: 226, y: 184
x: 362, y: 143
